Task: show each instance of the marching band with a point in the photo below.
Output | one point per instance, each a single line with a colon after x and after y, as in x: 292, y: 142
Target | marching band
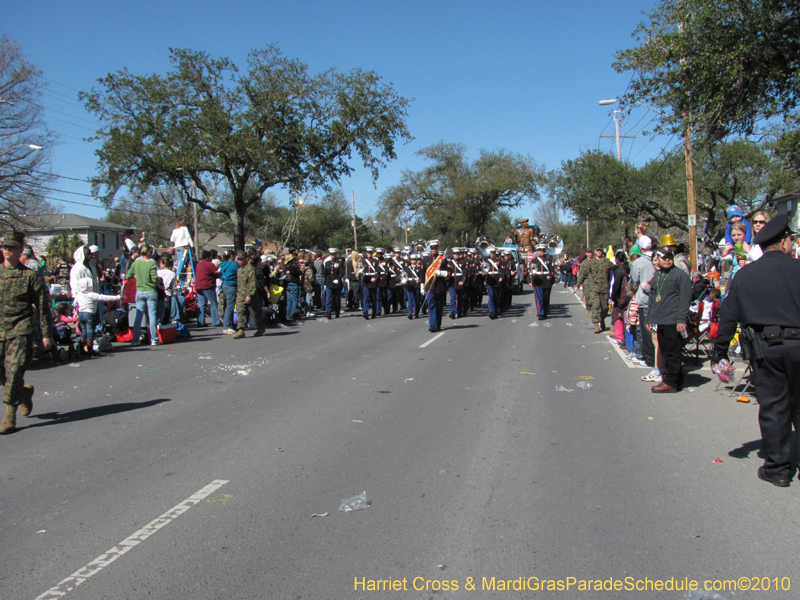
x: 418, y: 280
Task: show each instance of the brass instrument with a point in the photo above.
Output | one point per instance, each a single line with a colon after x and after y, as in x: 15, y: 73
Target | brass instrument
x: 482, y: 244
x: 554, y: 244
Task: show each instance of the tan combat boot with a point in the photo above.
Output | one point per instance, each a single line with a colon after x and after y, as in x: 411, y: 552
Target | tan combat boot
x: 9, y: 424
x: 26, y: 406
x: 239, y: 334
x: 597, y: 328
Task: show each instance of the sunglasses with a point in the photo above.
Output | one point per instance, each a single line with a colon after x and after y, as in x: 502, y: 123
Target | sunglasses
x: 759, y: 222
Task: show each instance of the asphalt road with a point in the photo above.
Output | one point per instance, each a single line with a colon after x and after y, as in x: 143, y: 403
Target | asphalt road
x: 472, y: 469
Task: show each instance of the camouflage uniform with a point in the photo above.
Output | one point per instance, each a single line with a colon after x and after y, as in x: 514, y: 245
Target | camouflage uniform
x: 595, y: 289
x: 246, y: 285
x: 21, y: 290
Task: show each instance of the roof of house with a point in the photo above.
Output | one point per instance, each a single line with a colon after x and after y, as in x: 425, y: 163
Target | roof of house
x: 72, y: 221
x: 219, y: 240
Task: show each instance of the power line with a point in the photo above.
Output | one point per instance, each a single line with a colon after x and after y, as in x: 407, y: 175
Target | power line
x: 72, y: 116
x: 73, y: 124
x: 61, y: 84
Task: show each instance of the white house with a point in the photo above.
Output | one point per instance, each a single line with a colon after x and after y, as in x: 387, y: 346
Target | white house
x: 108, y: 237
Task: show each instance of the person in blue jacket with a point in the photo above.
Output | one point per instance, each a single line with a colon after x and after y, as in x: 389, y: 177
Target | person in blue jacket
x: 735, y: 215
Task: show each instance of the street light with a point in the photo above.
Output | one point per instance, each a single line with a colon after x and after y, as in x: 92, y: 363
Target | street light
x: 31, y: 146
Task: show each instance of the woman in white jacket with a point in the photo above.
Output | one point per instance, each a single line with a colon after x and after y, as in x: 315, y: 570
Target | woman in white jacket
x: 182, y: 242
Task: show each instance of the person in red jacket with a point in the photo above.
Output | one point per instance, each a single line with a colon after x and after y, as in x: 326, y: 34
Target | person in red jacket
x: 205, y: 284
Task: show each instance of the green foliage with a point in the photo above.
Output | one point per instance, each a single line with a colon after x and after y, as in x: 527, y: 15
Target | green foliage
x: 456, y: 197
x: 275, y: 125
x: 598, y: 187
x: 724, y: 65
x: 63, y: 246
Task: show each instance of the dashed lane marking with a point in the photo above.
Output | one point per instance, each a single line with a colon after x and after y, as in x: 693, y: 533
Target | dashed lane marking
x: 433, y: 339
x: 102, y: 561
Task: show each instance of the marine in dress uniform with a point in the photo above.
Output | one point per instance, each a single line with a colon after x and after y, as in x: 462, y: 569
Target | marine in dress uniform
x: 543, y: 275
x: 412, y: 271
x: 456, y: 285
x: 354, y: 283
x: 436, y: 271
x: 369, y: 283
x: 21, y: 291
x: 494, y: 279
x: 334, y: 282
x: 765, y: 298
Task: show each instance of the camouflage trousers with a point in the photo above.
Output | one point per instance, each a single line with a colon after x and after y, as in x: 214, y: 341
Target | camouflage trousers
x: 17, y: 356
x: 244, y: 311
x: 597, y: 303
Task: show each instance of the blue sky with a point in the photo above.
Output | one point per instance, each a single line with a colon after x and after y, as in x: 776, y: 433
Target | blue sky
x: 522, y: 76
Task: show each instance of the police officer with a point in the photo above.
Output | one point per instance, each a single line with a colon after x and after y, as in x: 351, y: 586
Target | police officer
x: 542, y: 278
x: 334, y: 281
x: 436, y: 272
x: 765, y: 298
x: 21, y: 290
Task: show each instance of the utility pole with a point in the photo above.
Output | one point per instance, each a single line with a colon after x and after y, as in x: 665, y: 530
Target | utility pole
x: 692, y: 204
x: 194, y: 210
x: 617, y: 136
x: 355, y: 234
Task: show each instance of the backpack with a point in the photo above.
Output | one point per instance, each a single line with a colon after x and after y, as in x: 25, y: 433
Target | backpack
x: 116, y: 320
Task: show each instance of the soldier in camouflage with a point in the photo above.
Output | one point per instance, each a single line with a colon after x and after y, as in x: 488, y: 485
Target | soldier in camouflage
x: 21, y: 290
x: 248, y: 302
x: 595, y: 277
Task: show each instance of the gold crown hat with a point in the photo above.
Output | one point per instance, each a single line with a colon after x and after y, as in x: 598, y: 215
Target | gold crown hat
x: 668, y: 240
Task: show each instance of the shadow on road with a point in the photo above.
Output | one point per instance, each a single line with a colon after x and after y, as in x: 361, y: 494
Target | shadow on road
x: 746, y: 449
x: 55, y: 418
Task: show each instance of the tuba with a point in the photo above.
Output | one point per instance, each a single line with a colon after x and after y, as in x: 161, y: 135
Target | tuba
x: 554, y: 244
x: 482, y: 245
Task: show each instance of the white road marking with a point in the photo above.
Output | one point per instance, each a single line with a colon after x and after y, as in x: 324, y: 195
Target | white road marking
x: 102, y: 561
x: 433, y: 339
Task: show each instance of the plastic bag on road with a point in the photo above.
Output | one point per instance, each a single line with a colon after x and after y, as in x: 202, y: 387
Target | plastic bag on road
x: 584, y: 385
x: 355, y: 503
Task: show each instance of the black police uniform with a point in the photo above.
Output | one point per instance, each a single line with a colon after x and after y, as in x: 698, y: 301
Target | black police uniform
x: 765, y: 295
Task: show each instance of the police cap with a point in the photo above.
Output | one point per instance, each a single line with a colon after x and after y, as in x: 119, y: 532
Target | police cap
x: 773, y: 231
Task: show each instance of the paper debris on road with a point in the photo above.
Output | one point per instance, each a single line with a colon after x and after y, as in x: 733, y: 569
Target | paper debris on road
x: 357, y: 421
x: 323, y: 319
x: 739, y: 399
x: 586, y: 377
x: 526, y: 373
x: 585, y: 385
x: 321, y: 515
x: 717, y: 460
x: 533, y: 325
x: 279, y: 449
x: 649, y: 418
x: 409, y: 379
x: 243, y: 372
x: 204, y: 357
x: 220, y: 498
